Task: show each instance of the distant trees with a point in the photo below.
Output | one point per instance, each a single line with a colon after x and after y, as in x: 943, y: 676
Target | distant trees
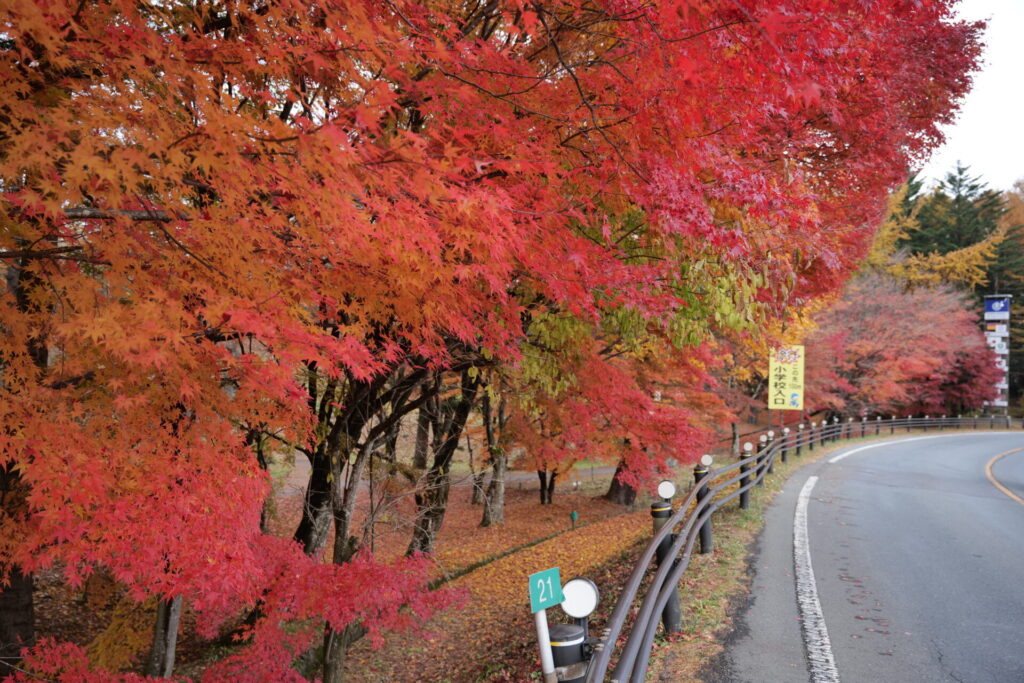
x: 885, y: 349
x: 963, y: 233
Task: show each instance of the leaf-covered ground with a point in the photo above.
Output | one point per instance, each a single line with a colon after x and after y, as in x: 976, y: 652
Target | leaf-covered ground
x: 491, y: 566
x: 462, y: 542
x: 490, y: 635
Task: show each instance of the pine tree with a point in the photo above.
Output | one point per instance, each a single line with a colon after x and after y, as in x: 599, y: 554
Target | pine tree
x: 960, y: 212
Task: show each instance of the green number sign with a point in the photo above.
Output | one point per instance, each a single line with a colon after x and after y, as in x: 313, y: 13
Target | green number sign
x: 545, y: 590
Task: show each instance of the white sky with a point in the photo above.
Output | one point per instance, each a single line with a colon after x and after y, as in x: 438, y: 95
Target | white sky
x: 989, y: 133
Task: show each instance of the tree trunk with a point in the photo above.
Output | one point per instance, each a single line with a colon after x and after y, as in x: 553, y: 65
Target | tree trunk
x: 431, y: 505
x: 254, y: 439
x: 338, y: 641
x: 382, y: 498
x: 494, y: 429
x: 363, y: 401
x: 619, y: 492
x: 432, y: 498
x: 341, y: 426
x: 17, y: 620
x: 547, y: 485
x: 478, y: 488
x: 316, y: 509
x: 336, y: 646
x: 165, y: 638
x: 419, y: 456
x: 477, y: 497
x: 494, y: 499
x: 735, y: 439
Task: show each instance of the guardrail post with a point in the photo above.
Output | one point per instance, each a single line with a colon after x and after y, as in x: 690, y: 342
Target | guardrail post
x: 767, y: 445
x: 799, y: 437
x: 837, y: 425
x: 863, y: 422
x: 660, y: 513
x: 993, y: 420
x: 878, y: 424
x: 926, y: 422
x: 849, y: 428
x: 748, y: 449
x: 567, y: 643
x: 959, y: 421
x: 785, y: 443
x: 974, y: 421
x: 762, y: 445
x: 892, y: 425
x: 699, y: 473
x: 810, y: 442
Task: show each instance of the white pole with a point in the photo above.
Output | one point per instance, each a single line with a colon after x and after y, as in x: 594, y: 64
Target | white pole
x: 547, y: 661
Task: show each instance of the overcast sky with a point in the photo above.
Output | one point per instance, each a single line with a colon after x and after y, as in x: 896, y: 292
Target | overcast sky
x: 989, y: 133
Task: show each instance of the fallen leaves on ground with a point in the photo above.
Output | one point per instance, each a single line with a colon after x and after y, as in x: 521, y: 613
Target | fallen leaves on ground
x: 475, y: 641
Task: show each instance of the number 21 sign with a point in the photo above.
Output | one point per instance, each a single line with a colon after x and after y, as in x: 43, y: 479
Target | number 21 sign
x: 545, y: 589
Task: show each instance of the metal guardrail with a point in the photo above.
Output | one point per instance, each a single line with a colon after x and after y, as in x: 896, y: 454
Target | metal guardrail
x: 692, y: 520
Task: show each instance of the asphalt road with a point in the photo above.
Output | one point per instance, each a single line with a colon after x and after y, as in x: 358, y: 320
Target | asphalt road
x: 918, y: 566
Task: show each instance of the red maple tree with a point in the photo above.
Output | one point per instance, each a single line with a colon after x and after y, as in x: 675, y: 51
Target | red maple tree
x: 885, y: 350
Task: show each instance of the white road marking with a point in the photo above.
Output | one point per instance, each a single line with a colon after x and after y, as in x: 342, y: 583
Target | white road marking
x: 816, y: 641
x: 887, y: 443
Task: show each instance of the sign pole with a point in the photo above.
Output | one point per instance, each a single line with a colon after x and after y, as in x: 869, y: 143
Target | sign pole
x: 547, y: 660
x: 997, y: 334
x: 545, y: 591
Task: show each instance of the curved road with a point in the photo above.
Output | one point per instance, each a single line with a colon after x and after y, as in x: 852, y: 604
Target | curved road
x: 916, y: 568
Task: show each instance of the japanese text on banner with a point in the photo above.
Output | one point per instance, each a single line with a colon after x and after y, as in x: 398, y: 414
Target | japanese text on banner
x: 786, y: 378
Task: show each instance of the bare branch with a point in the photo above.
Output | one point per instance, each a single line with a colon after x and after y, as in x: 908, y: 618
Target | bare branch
x: 85, y: 214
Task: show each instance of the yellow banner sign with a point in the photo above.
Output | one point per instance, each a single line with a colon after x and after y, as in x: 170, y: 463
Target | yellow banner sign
x: 786, y: 378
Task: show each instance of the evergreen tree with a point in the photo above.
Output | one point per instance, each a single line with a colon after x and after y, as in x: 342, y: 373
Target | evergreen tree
x: 960, y: 212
